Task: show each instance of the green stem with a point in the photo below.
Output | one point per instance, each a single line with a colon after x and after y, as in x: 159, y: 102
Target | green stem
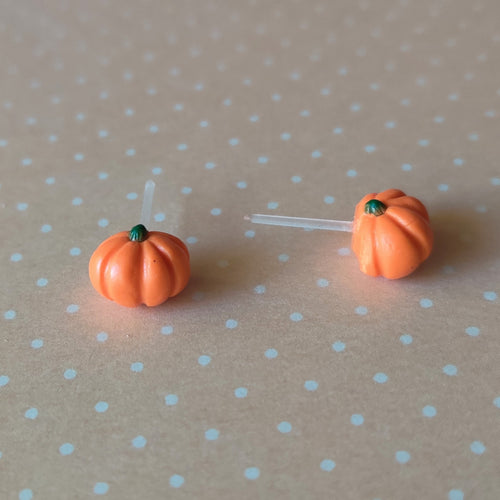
x: 375, y: 207
x: 138, y: 233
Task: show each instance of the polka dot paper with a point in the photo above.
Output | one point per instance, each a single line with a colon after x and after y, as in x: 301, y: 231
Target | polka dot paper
x: 281, y: 371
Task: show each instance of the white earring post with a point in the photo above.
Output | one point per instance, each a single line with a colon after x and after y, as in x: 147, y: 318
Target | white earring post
x: 302, y: 222
x: 147, y: 203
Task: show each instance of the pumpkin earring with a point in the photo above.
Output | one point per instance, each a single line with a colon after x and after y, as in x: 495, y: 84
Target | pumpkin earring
x: 391, y: 233
x: 139, y: 266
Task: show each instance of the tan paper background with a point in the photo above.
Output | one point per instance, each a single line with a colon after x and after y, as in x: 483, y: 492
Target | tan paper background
x: 294, y: 108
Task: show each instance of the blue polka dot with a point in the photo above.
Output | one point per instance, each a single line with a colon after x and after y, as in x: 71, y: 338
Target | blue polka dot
x: 129, y: 112
x: 70, y: 374
x: 16, y: 257
x: 325, y: 91
x: 252, y: 473
x: 344, y: 251
x: 75, y: 252
x: 32, y: 413
x: 328, y: 200
x: 9, y: 314
x: 260, y: 289
x: 153, y: 129
x: 296, y: 316
x: 102, y: 337
x: 456, y: 495
x: 472, y: 331
x: 46, y: 228
x: 285, y: 427
x: 211, y: 434
x: 192, y: 240
x: 103, y: 133
x: 22, y: 206
x: 357, y: 419
x: 495, y: 181
x: 370, y: 148
x: 101, y: 488
x: 130, y: 152
x: 283, y: 257
x: 458, y: 162
x: 361, y: 310
x: 305, y: 113
x: 231, y: 323
x: 327, y: 465
x: 37, y: 343
x: 450, y: 370
x: 167, y: 330
x: 423, y: 142
x: 276, y: 97
x: 72, y: 308
x: 406, y: 167
x: 186, y: 190
x: 338, y: 130
x: 443, y: 187
x: 182, y: 147
x: 322, y: 282
x: 390, y: 124
x: 490, y: 296
x: 159, y: 217
x: 355, y: 107
x: 254, y: 118
x: 132, y: 196
x: 3, y: 143
x: 272, y: 205
x: 80, y: 117
x: 103, y: 222
x: 171, y: 399
x: 296, y: 179
x: 271, y: 353
x: 429, y: 411
x: 234, y: 141
x: 4, y: 380
x: 66, y: 449
x: 477, y: 447
x: 311, y: 385
x: 77, y: 201
x: 316, y: 154
x: 241, y: 392
x: 352, y: 173
x: 103, y: 175
x: 26, y: 162
x: 79, y: 156
x: 50, y: 180
x: 338, y: 346
x: 439, y: 119
x: 426, y: 303
x: 101, y: 407
x: 241, y: 184
x: 204, y: 360
x: 157, y: 170
x: 496, y: 402
x: 380, y: 378
x: 139, y: 442
x: 406, y: 339
x: 137, y: 367
x: 26, y: 494
x: 402, y: 457
x: 176, y: 481
x: 263, y: 159
x: 249, y: 234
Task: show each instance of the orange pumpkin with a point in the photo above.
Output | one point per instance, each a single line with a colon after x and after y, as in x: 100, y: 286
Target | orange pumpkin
x: 140, y: 267
x: 391, y: 234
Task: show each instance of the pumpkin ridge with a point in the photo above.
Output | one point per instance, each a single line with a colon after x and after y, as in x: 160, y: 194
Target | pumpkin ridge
x: 104, y: 266
x: 411, y: 235
x: 374, y: 247
x: 168, y: 262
